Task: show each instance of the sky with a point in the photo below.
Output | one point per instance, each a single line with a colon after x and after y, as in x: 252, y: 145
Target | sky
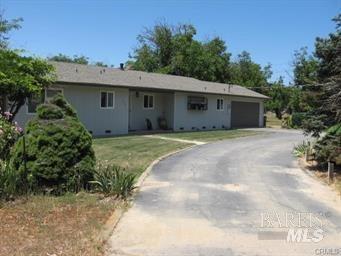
x: 104, y: 30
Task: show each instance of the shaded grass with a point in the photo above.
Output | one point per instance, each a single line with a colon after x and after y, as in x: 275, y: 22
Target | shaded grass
x: 134, y: 153
x: 46, y: 225
x: 207, y: 136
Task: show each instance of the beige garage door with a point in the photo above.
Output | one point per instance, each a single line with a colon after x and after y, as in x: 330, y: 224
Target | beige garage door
x: 244, y: 114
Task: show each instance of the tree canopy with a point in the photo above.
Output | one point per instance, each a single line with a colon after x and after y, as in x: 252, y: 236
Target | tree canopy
x: 5, y: 27
x: 75, y: 59
x: 22, y: 77
x: 174, y: 50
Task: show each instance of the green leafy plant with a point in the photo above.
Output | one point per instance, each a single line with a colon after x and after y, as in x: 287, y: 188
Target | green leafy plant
x: 113, y: 180
x: 300, y: 149
x: 55, y: 155
x: 297, y: 119
x: 9, y: 133
x: 9, y: 182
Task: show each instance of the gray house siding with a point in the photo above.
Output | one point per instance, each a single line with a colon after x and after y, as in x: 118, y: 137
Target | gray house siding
x: 129, y: 113
x: 86, y: 100
x: 185, y: 119
x: 163, y: 107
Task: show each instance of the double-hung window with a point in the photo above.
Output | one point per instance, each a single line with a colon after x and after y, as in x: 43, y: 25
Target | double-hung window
x: 220, y: 104
x: 148, y: 101
x: 107, y: 99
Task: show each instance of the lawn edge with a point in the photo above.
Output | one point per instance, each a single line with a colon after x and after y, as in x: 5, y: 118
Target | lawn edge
x: 114, y: 219
x: 147, y: 171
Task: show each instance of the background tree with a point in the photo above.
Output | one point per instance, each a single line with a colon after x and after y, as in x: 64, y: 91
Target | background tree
x: 173, y: 50
x: 75, y: 59
x: 22, y: 77
x: 279, y: 98
x: 5, y: 27
x: 248, y: 73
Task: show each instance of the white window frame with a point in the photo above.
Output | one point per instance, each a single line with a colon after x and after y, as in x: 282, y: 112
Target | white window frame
x: 107, y: 93
x: 221, y: 104
x: 52, y: 89
x: 149, y: 95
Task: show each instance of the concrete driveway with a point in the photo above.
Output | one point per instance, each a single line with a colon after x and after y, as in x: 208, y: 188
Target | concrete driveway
x: 219, y: 198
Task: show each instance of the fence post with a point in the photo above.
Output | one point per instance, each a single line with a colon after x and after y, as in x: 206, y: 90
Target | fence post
x: 330, y: 172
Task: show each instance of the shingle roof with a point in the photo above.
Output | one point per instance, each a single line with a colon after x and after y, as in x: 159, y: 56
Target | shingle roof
x: 86, y: 74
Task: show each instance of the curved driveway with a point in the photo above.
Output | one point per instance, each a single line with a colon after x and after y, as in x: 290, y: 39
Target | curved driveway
x: 210, y: 200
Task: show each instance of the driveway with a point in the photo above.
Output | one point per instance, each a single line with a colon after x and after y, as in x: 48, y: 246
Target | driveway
x: 217, y: 199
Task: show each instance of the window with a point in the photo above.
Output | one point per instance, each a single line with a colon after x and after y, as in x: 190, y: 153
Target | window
x: 197, y: 103
x: 107, y: 99
x: 51, y: 92
x: 148, y: 101
x: 33, y: 102
x: 220, y: 104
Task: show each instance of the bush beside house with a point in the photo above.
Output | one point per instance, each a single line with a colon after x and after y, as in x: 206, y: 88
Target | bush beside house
x: 57, y: 155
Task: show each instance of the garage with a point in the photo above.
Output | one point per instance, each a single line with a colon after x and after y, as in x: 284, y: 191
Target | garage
x: 244, y: 114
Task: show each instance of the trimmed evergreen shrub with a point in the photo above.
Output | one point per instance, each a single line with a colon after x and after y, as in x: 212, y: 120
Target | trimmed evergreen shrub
x: 297, y: 119
x: 58, y: 151
x: 328, y: 148
x: 49, y: 112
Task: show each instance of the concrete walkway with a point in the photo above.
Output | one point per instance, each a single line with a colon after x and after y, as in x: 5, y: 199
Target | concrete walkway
x: 210, y: 201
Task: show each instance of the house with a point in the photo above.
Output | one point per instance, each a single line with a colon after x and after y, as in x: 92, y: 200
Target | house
x: 113, y: 101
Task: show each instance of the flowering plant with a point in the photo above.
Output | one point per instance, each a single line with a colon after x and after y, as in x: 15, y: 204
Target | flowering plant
x: 9, y: 133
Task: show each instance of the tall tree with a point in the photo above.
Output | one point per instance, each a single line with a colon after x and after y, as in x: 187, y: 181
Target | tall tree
x: 22, y: 77
x: 328, y: 110
x: 5, y: 27
x: 173, y: 50
x: 246, y: 72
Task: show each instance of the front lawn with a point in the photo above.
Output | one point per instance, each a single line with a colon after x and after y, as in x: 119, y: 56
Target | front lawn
x: 207, y: 136
x: 134, y: 153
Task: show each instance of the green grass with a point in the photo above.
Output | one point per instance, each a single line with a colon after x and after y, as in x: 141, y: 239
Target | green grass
x: 134, y: 153
x: 207, y: 136
x: 272, y: 121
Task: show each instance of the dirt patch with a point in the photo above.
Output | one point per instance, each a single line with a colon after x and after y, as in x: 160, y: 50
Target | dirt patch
x: 44, y: 225
x: 321, y: 174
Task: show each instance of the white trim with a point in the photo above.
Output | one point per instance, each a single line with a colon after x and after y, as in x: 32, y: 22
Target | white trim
x: 148, y: 94
x: 220, y: 109
x: 113, y: 99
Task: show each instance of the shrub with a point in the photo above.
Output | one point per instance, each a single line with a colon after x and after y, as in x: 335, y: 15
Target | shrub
x: 49, y: 112
x: 335, y: 130
x: 9, y: 182
x: 112, y: 180
x: 58, y: 152
x: 300, y: 149
x: 9, y: 133
x: 328, y: 148
x: 59, y: 101
x: 297, y: 119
